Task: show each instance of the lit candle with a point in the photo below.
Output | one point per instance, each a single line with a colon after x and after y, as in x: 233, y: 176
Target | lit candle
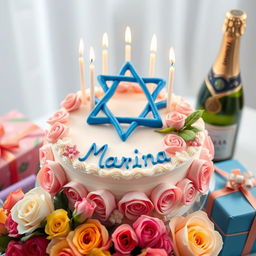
x: 105, y: 54
x: 152, y: 60
x: 171, y: 78
x: 92, y: 71
x: 128, y: 40
x: 81, y: 69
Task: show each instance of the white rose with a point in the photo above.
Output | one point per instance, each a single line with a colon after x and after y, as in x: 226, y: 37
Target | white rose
x: 32, y: 209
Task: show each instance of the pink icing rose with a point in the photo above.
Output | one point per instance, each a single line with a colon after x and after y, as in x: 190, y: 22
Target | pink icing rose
x: 57, y: 131
x: 15, y: 248
x: 84, y: 209
x: 154, y: 252
x: 209, y: 145
x: 188, y: 191
x: 52, y: 177
x: 125, y: 239
x: 45, y: 154
x: 175, y: 120
x: 36, y: 246
x: 200, y: 172
x: 165, y: 198
x: 174, y: 143
x: 105, y: 203
x: 74, y: 192
x: 152, y: 232
x: 184, y: 108
x: 135, y: 204
x: 72, y: 102
x: 11, y: 226
x: 60, y: 116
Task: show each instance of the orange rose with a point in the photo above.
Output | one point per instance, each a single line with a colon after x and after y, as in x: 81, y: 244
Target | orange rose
x: 195, y: 235
x: 59, y: 246
x: 12, y: 199
x: 3, y: 218
x: 88, y: 236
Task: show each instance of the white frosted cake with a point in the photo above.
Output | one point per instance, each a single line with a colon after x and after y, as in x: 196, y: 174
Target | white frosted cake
x: 150, y: 172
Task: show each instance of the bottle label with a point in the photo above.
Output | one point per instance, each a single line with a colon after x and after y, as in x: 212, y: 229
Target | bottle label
x: 223, y: 138
x: 219, y: 85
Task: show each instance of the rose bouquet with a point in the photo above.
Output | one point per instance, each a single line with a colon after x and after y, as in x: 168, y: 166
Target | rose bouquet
x: 38, y: 224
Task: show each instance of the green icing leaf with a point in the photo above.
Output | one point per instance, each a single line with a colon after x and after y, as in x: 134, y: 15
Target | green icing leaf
x: 194, y: 129
x: 187, y: 134
x: 192, y: 118
x: 18, y: 120
x: 166, y: 130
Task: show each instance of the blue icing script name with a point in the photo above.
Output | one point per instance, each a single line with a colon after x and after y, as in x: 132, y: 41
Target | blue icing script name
x: 127, y: 162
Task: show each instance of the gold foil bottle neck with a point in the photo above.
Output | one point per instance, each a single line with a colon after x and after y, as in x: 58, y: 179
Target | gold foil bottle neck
x: 235, y: 23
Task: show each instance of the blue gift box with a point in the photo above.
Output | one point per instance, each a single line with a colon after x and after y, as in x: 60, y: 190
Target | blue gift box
x: 232, y: 214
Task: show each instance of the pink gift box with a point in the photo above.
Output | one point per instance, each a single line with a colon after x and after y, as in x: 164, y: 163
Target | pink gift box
x: 20, y: 141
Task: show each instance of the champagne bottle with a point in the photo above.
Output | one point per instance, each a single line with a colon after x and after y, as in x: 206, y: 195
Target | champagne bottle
x: 221, y: 95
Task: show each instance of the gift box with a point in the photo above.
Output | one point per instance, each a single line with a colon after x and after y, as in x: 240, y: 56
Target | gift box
x: 20, y: 141
x: 231, y: 205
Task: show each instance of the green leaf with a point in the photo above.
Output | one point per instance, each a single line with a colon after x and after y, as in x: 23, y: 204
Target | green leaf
x: 36, y: 233
x: 192, y: 118
x: 4, y: 240
x: 194, y: 129
x: 166, y: 130
x: 187, y: 135
x: 60, y: 201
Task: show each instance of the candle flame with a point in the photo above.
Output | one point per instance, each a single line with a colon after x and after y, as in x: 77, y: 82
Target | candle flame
x: 92, y: 55
x: 128, y: 35
x: 153, y: 45
x: 105, y: 40
x: 171, y: 56
x: 81, y: 47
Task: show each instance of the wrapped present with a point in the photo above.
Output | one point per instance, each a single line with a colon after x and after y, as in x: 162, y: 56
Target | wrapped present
x: 232, y: 207
x: 20, y: 141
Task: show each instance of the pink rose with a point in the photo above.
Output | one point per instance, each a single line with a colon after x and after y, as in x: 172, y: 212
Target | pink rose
x: 36, y: 246
x: 60, y: 116
x: 125, y: 239
x: 45, y: 154
x: 72, y: 102
x: 57, y: 131
x: 174, y: 143
x: 165, y: 198
x: 200, y: 172
x: 11, y: 226
x: 154, y: 252
x: 194, y: 235
x: 15, y: 248
x: 175, y: 119
x: 184, y: 108
x: 74, y: 192
x: 84, y: 209
x: 105, y: 203
x: 135, y: 204
x: 209, y: 145
x: 152, y: 232
x: 188, y: 191
x: 52, y: 177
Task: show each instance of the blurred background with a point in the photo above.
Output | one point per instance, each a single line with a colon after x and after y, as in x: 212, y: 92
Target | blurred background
x: 39, y: 44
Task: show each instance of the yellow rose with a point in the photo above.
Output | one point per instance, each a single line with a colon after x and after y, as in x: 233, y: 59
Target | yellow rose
x: 88, y: 236
x: 3, y: 218
x: 195, y: 235
x: 57, y: 224
x: 98, y: 252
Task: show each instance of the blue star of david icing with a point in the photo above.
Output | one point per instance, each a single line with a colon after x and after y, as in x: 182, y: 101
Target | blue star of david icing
x: 134, y: 122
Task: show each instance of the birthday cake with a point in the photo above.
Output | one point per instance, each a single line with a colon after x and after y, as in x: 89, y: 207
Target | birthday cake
x: 126, y: 150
